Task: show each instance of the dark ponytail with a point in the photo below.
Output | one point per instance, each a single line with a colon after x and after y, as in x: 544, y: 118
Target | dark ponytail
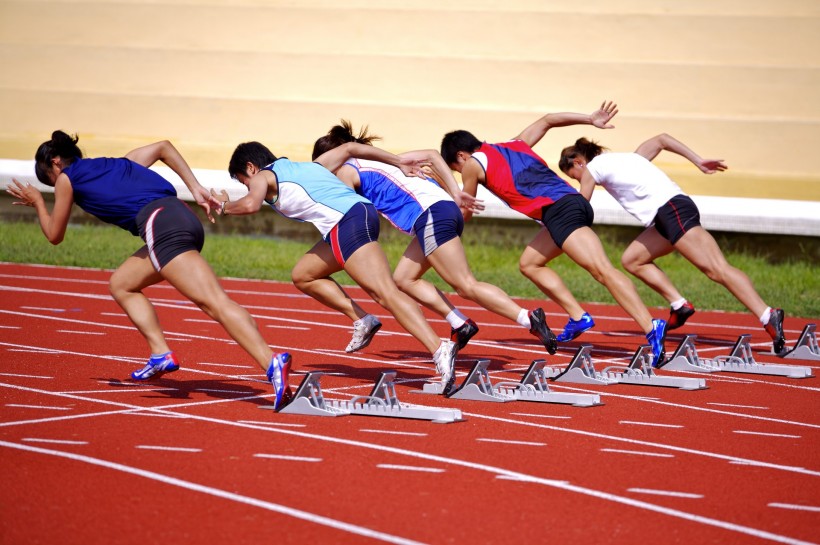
x: 583, y: 148
x: 61, y: 145
x: 341, y: 134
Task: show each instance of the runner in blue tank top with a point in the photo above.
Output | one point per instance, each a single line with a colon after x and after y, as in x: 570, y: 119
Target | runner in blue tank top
x: 422, y: 208
x: 349, y: 225
x: 126, y: 193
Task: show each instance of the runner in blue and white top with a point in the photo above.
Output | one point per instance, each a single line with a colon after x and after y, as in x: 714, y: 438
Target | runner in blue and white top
x: 349, y: 225
x: 421, y: 207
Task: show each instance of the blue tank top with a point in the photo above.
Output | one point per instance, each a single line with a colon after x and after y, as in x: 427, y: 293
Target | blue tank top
x: 115, y: 190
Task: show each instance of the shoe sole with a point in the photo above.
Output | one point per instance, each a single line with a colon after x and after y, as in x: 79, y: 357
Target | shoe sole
x: 367, y: 339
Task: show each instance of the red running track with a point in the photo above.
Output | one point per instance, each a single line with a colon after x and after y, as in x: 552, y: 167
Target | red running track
x: 91, y: 457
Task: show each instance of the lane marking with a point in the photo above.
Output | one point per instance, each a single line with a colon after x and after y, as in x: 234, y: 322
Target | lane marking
x: 738, y: 406
x: 218, y: 391
x: 10, y: 327
x: 287, y: 457
x: 80, y: 332
x: 767, y: 434
x: 45, y: 408
x: 54, y: 441
x: 638, y: 452
x: 650, y: 424
x: 543, y: 416
x: 23, y: 376
x: 171, y: 449
x: 285, y: 424
x: 225, y: 365
x: 795, y: 507
x: 665, y: 493
x: 511, y: 442
x: 278, y: 508
x: 389, y: 432
x: 411, y: 468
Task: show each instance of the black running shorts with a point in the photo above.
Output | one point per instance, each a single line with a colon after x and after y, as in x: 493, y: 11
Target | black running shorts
x: 169, y: 227
x: 563, y: 217
x: 676, y: 217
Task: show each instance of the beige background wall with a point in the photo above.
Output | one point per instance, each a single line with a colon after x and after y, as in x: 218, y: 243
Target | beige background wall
x: 736, y: 79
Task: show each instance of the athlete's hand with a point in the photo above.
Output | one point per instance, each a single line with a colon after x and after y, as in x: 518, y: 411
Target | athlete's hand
x: 710, y: 166
x: 414, y: 167
x: 468, y: 202
x: 204, y: 199
x: 28, y: 195
x: 601, y: 117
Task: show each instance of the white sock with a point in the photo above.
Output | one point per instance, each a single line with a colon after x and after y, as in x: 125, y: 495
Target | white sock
x: 455, y: 318
x: 764, y: 318
x: 524, y: 318
x: 679, y: 303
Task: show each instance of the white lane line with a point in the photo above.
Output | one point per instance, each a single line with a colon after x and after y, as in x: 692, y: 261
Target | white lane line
x: 511, y: 442
x: 54, y: 441
x: 277, y: 508
x: 388, y: 432
x: 738, y: 406
x: 288, y: 327
x: 795, y: 507
x: 121, y: 391
x: 10, y: 327
x: 218, y: 391
x: 767, y: 434
x: 171, y: 449
x: 665, y: 493
x: 542, y: 416
x: 284, y: 424
x: 638, y: 452
x: 23, y: 376
x: 21, y: 406
x: 411, y: 468
x: 226, y: 365
x: 80, y: 332
x: 44, y: 309
x: 287, y: 457
x: 650, y: 424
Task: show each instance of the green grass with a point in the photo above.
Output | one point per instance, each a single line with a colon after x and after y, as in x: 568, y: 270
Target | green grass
x: 788, y: 279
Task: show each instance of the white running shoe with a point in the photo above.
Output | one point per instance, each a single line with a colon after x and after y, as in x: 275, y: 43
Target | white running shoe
x: 445, y: 360
x: 363, y: 331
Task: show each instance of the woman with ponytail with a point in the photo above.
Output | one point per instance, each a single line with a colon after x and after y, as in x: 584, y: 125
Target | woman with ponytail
x: 672, y: 222
x: 125, y: 193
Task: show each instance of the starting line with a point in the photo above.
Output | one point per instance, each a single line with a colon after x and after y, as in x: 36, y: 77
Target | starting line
x: 739, y: 360
x: 639, y: 372
x: 382, y: 401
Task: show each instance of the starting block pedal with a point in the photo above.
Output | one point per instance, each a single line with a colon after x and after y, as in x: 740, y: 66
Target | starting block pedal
x: 641, y: 373
x: 581, y: 370
x: 806, y: 347
x: 382, y: 401
x: 739, y: 360
x: 532, y: 387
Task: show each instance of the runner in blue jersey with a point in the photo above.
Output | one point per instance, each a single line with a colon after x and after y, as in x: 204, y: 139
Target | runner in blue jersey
x: 420, y: 207
x: 348, y: 223
x: 124, y: 192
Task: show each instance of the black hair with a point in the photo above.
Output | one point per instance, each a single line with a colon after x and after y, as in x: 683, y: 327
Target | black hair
x: 583, y: 147
x: 249, y: 152
x: 61, y: 145
x: 341, y: 134
x: 456, y: 141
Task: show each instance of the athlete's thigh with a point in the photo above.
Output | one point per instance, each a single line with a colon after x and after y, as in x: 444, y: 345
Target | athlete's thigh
x: 318, y: 262
x: 701, y: 249
x: 193, y: 277
x: 541, y: 250
x: 646, y: 247
x: 369, y: 268
x: 450, y: 261
x: 412, y: 264
x: 584, y: 247
x: 136, y: 273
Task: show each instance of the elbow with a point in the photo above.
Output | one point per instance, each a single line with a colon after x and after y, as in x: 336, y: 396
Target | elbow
x: 56, y: 239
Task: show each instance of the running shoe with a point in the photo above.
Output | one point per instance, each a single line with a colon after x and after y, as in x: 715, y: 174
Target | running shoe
x: 462, y: 335
x: 278, y: 371
x: 575, y: 327
x: 156, y: 367
x: 656, y: 339
x: 445, y: 360
x: 539, y: 328
x: 775, y: 330
x: 363, y: 331
x: 678, y: 317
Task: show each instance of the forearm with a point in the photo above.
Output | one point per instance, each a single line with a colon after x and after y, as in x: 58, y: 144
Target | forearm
x: 674, y: 145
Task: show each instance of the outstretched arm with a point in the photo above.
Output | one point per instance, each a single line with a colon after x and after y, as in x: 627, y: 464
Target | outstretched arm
x: 52, y: 224
x: 335, y: 158
x: 166, y: 152
x: 652, y: 147
x: 444, y: 176
x: 599, y: 118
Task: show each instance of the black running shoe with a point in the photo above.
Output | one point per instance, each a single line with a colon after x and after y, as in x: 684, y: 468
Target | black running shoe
x: 678, y: 317
x: 539, y: 328
x: 775, y: 330
x: 463, y: 334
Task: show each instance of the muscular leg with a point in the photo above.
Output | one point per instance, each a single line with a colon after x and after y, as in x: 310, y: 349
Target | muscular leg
x: 532, y: 265
x: 584, y: 247
x: 311, y: 276
x: 369, y: 268
x: 408, y: 277
x: 639, y: 259
x: 701, y: 249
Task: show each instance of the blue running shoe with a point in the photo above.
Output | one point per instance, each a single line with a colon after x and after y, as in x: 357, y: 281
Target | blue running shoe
x: 157, y: 366
x: 278, y: 376
x: 539, y: 328
x: 575, y: 327
x: 656, y: 339
x: 463, y: 334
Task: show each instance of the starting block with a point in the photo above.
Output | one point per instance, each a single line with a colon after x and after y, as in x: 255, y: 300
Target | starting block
x: 639, y: 372
x: 532, y: 387
x: 806, y: 347
x: 382, y: 401
x: 739, y: 360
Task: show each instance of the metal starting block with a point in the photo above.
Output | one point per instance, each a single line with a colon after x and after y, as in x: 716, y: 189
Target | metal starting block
x: 739, y: 360
x: 532, y: 387
x: 806, y: 347
x: 382, y: 401
x: 639, y: 372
